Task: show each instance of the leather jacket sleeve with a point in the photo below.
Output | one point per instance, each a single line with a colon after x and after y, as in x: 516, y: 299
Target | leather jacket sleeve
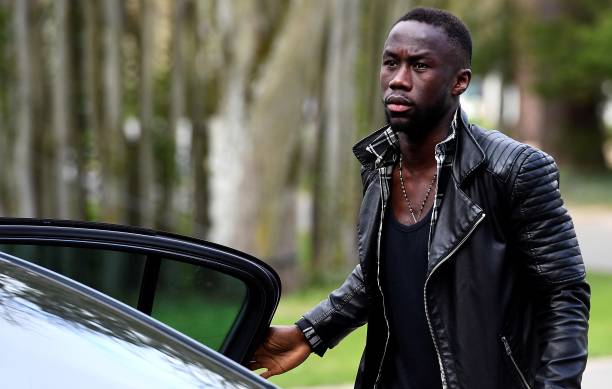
x: 345, y: 309
x: 547, y: 239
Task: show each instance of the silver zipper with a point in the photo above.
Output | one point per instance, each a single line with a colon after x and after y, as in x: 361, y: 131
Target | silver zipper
x: 509, y: 353
x: 382, y: 216
x: 442, y: 375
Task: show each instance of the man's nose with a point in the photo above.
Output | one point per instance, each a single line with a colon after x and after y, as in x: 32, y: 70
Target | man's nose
x: 402, y: 79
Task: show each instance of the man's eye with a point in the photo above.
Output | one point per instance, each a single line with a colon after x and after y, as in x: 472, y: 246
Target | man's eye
x: 390, y: 63
x: 419, y: 66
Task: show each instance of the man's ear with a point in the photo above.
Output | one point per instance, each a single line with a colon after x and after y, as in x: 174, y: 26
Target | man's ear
x: 462, y: 81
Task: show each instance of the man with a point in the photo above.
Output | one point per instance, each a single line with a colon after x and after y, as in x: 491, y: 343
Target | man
x: 469, y: 273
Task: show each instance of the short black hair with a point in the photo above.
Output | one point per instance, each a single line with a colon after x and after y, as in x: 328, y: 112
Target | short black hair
x: 457, y: 32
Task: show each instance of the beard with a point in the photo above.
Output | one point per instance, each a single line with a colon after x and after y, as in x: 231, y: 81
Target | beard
x: 418, y: 122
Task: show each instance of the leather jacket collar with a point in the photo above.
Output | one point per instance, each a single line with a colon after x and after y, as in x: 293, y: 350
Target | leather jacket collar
x: 379, y: 148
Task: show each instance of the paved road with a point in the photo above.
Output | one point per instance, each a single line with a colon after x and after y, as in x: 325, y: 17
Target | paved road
x: 594, y: 230
x: 598, y: 374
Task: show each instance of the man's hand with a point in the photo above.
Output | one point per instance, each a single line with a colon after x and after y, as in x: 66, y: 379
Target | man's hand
x: 285, y: 347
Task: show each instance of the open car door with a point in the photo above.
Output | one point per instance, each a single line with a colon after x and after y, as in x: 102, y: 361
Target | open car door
x: 222, y: 298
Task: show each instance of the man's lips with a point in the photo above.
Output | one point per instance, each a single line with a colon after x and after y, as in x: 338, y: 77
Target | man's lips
x: 398, y: 107
x: 395, y: 103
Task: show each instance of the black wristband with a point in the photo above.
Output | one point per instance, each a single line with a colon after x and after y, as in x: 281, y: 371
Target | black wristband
x: 315, y: 342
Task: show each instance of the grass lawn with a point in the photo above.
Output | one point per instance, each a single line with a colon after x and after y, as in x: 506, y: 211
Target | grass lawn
x: 340, y: 364
x: 586, y: 188
x: 600, y: 329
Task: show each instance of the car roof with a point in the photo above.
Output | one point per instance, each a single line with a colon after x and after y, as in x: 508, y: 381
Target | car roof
x: 59, y: 333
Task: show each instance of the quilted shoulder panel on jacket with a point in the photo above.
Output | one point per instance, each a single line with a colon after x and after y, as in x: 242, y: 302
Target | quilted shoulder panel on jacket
x: 502, y: 152
x: 545, y: 229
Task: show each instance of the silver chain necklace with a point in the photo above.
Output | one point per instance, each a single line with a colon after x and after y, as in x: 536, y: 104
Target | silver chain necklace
x: 414, y: 217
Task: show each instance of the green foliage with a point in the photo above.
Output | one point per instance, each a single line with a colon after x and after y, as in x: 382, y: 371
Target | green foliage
x: 569, y: 40
x: 492, y: 25
x: 572, y: 51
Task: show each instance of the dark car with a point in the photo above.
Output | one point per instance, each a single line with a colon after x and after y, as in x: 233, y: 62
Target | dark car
x: 93, y: 305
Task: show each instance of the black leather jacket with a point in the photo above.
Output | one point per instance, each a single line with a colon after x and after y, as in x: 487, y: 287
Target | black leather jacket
x: 505, y: 295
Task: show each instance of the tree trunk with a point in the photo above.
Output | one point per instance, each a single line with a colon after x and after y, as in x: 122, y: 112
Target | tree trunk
x: 277, y: 146
x: 567, y: 127
x: 131, y: 128
x: 4, y: 149
x: 92, y: 77
x: 265, y: 223
x: 111, y: 144
x: 146, y: 176
x: 42, y: 155
x: 201, y: 97
x: 530, y: 127
x: 62, y: 109
x: 337, y: 191
x: 582, y: 137
x: 7, y: 125
x: 229, y: 135
x: 23, y: 168
x: 81, y: 134
x: 376, y: 19
x: 351, y: 109
x: 178, y: 123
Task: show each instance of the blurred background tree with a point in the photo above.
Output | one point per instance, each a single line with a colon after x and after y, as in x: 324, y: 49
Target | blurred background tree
x: 232, y: 121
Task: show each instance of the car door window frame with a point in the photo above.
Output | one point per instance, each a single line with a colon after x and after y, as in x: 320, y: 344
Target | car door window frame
x: 262, y: 283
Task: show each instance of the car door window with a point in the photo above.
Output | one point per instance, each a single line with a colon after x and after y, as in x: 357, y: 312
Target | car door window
x: 114, y: 273
x: 218, y: 296
x: 197, y: 301
x: 201, y: 303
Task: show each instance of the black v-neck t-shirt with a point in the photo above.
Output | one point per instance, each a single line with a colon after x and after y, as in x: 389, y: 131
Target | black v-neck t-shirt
x: 411, y: 360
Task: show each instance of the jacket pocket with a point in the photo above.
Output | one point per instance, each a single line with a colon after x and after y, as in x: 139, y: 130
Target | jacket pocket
x: 515, y: 367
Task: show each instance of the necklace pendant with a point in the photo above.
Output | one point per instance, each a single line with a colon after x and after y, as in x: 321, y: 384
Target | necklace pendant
x: 414, y: 218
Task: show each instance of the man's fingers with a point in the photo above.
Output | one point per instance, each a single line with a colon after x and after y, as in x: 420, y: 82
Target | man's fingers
x: 268, y: 373
x: 283, y: 349
x: 265, y: 363
x: 254, y: 365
